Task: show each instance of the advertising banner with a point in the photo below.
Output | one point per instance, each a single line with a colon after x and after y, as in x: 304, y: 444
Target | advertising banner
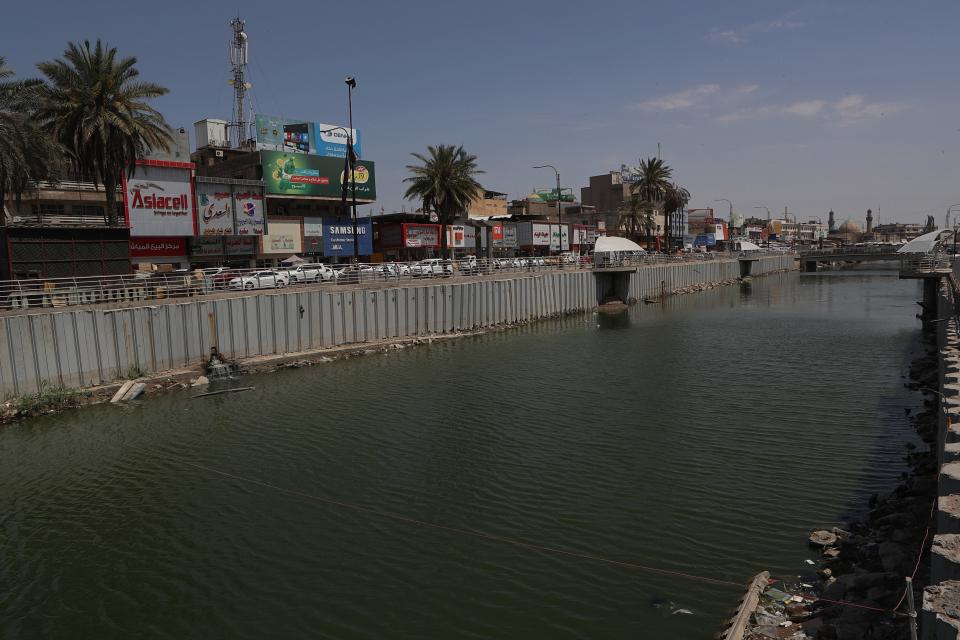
x: 496, y: 233
x: 158, y: 200
x: 421, y: 235
x: 157, y: 247
x: 559, y: 237
x: 470, y: 237
x: 283, y: 239
x: 455, y: 236
x: 509, y: 237
x: 214, y: 209
x: 248, y: 204
x: 240, y: 246
x: 292, y: 174
x: 581, y: 235
x: 312, y: 227
x: 540, y: 234
x: 302, y: 136
x: 338, y: 236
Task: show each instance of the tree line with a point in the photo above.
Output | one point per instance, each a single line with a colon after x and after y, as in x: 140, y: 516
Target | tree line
x: 88, y: 118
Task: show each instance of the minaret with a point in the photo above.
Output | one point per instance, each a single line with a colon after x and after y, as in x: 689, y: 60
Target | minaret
x: 869, y: 221
x: 831, y: 223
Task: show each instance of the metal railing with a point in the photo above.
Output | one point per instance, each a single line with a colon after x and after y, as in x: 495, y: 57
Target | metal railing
x: 926, y: 263
x: 47, y: 293
x: 849, y: 251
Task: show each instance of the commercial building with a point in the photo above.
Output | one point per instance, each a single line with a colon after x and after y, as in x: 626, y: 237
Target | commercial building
x: 301, y: 167
x: 793, y: 232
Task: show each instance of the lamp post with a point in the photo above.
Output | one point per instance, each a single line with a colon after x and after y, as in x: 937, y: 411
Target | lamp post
x: 351, y: 83
x: 559, y: 222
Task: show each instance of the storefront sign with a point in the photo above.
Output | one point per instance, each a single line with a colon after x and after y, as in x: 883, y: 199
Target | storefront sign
x: 206, y: 246
x: 158, y: 199
x: 295, y: 174
x: 418, y: 236
x: 338, y: 236
x: 157, y: 247
x: 214, y: 209
x: 284, y: 239
x: 509, y: 240
x: 455, y: 236
x: 240, y: 246
x: 248, y: 204
x: 313, y: 227
x: 496, y: 233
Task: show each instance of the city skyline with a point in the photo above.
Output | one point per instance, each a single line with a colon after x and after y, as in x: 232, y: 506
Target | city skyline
x: 767, y: 104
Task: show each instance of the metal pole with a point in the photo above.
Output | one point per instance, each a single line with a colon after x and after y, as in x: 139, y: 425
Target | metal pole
x: 559, y: 225
x: 353, y: 174
x: 910, y: 609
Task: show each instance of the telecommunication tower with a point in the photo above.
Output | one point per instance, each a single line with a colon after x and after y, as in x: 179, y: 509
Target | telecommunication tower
x: 238, y: 65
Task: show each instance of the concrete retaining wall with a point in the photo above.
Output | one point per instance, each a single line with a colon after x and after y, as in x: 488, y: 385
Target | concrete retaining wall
x: 88, y: 347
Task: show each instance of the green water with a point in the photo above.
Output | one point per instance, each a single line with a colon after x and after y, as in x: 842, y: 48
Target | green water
x: 706, y: 436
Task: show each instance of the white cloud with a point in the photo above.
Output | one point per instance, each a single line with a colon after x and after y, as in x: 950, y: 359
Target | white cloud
x: 739, y: 35
x: 847, y: 110
x: 686, y: 99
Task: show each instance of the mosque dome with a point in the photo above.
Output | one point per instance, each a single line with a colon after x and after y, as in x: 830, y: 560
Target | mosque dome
x: 849, y: 226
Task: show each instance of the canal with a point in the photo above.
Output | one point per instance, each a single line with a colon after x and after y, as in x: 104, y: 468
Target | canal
x: 705, y: 437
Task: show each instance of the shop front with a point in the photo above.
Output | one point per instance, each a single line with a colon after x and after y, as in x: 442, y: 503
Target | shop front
x: 159, y: 253
x: 405, y: 241
x: 542, y: 238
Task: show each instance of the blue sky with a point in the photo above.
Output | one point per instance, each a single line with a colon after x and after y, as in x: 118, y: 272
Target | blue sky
x: 809, y: 105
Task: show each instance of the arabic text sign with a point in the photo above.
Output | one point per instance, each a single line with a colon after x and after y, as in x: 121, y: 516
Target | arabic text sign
x: 214, y: 209
x: 292, y: 174
x: 158, y: 201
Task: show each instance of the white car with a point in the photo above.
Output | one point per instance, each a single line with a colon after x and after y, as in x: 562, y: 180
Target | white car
x: 431, y: 267
x: 310, y: 273
x: 393, y: 270
x: 260, y: 280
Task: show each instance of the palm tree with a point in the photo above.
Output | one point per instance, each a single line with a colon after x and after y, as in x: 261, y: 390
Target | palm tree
x: 654, y: 192
x: 675, y: 201
x: 444, y: 182
x: 26, y: 154
x: 95, y: 107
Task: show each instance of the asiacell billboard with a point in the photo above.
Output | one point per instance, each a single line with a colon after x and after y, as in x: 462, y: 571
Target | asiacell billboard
x: 296, y: 174
x: 303, y: 136
x: 158, y: 199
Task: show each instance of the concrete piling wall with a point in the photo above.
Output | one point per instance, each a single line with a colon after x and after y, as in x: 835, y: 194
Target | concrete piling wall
x: 88, y: 347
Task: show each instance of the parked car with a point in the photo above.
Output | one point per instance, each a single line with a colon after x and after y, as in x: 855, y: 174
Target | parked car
x: 468, y: 265
x: 310, y: 273
x: 393, y: 270
x: 260, y: 280
x: 351, y: 273
x: 431, y: 267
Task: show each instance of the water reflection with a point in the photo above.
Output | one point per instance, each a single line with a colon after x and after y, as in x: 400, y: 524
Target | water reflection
x: 613, y: 317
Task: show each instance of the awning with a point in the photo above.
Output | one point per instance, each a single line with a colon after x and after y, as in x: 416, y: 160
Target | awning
x: 611, y: 244
x: 924, y: 243
x: 293, y: 260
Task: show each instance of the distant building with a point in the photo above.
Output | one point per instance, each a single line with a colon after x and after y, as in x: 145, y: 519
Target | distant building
x: 493, y: 204
x: 897, y: 232
x: 792, y: 231
x: 607, y: 193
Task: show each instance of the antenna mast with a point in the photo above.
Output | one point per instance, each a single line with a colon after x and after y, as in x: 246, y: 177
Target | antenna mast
x: 238, y: 65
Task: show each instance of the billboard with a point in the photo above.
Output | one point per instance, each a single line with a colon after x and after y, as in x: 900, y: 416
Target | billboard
x: 496, y: 234
x: 421, y: 235
x: 284, y: 238
x: 240, y: 246
x: 338, y: 236
x: 303, y: 136
x: 158, y: 199
x: 559, y: 237
x: 214, y: 209
x: 456, y: 236
x: 293, y: 174
x: 509, y: 237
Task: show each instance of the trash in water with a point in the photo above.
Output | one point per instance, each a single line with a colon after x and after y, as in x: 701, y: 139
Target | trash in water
x: 777, y: 595
x: 682, y: 612
x: 810, y: 562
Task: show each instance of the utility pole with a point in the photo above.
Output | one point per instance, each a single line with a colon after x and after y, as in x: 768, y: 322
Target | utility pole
x: 238, y: 67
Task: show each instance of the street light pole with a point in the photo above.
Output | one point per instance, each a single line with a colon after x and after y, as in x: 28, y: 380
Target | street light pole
x: 351, y: 83
x: 559, y: 221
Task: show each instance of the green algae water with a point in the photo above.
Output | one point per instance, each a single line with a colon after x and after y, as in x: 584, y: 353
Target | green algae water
x: 705, y: 436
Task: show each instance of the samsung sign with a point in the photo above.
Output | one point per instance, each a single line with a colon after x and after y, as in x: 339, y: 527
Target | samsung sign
x: 338, y: 236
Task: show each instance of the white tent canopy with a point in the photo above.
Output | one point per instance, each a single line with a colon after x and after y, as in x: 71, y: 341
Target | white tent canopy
x: 924, y: 243
x: 747, y: 246
x: 293, y: 260
x: 612, y: 244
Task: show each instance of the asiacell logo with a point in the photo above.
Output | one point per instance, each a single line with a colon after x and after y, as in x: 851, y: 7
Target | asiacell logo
x: 178, y: 205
